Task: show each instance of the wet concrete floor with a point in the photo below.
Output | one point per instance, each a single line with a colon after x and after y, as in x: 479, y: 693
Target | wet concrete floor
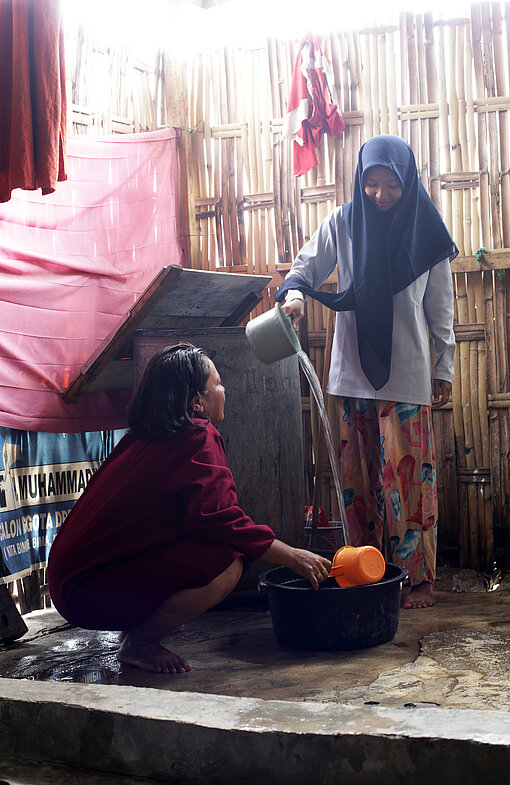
x: 455, y: 655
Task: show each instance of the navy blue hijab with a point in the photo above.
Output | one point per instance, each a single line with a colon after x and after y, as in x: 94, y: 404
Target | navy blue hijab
x: 390, y: 250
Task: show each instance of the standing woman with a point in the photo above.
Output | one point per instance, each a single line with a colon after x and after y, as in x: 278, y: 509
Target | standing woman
x: 392, y: 253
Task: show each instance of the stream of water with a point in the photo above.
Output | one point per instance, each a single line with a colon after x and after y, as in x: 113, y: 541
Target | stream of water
x: 313, y: 379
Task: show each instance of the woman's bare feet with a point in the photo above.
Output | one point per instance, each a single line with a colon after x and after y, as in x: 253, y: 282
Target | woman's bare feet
x: 151, y: 657
x: 421, y: 596
x: 141, y: 646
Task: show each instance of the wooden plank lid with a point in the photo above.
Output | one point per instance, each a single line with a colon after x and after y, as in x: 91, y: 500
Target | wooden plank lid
x: 176, y: 297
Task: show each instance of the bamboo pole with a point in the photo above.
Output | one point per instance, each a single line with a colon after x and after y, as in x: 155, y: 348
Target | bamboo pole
x: 477, y: 390
x: 490, y: 91
x: 286, y: 176
x: 476, y: 32
x: 501, y: 428
x: 335, y: 40
x: 223, y: 224
x: 251, y: 173
x: 374, y: 97
x: 503, y: 382
x: 461, y: 458
x: 482, y: 386
x: 342, y: 96
x: 353, y: 141
x: 198, y: 154
x: 454, y: 141
x: 260, y: 239
x: 423, y: 158
x: 269, y: 217
x: 432, y: 93
x: 383, y: 83
x: 463, y: 136
x: 443, y: 125
x: 502, y: 286
x: 240, y: 203
x: 329, y: 140
x: 477, y: 409
x: 197, y: 138
x: 210, y: 243
x: 277, y: 193
x: 367, y: 87
x: 463, y: 350
x: 250, y: 168
x: 293, y: 204
x: 276, y: 155
x: 392, y: 84
x: 287, y: 168
x: 299, y: 219
x: 335, y: 43
x: 231, y: 161
x: 502, y: 87
x: 501, y: 328
x: 224, y: 201
x: 311, y: 180
x: 471, y: 147
x: 413, y: 78
x: 404, y: 78
x: 492, y: 388
x: 477, y: 517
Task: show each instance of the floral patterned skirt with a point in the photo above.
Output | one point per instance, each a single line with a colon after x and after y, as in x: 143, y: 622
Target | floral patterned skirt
x: 388, y: 471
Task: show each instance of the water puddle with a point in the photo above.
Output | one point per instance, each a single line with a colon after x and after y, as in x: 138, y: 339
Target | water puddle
x: 88, y: 676
x: 71, y: 676
x: 64, y: 654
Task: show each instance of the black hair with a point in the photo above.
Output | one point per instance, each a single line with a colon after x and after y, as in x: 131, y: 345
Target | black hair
x: 162, y: 404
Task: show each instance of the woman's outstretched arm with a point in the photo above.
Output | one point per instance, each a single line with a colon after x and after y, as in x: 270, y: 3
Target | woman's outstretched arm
x: 309, y: 565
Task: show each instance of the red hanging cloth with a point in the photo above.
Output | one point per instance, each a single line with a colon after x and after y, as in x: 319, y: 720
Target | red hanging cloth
x: 310, y: 112
x: 33, y: 110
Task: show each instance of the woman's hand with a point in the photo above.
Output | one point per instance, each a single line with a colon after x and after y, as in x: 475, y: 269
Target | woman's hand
x: 309, y: 565
x: 441, y: 390
x: 295, y: 309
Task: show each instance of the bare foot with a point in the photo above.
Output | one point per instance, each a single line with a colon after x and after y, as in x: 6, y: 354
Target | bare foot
x: 152, y: 657
x: 421, y: 596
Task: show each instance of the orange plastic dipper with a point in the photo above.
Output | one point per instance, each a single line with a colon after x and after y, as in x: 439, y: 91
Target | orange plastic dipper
x: 357, y: 566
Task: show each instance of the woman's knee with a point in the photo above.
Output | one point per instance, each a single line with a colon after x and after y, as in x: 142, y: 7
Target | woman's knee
x: 226, y: 581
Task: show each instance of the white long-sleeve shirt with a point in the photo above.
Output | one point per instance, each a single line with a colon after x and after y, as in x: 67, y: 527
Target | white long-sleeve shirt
x: 423, y: 308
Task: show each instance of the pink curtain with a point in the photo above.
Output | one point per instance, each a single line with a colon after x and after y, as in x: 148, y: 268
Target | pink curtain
x: 71, y: 265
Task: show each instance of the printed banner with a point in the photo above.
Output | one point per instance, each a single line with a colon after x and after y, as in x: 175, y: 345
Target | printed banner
x: 41, y: 476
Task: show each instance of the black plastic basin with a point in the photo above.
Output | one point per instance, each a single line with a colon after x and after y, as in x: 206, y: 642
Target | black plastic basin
x: 333, y: 618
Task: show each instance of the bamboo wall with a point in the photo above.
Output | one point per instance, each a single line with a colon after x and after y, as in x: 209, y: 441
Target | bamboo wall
x: 108, y: 91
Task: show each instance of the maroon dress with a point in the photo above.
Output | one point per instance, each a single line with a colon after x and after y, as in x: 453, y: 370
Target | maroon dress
x: 157, y: 516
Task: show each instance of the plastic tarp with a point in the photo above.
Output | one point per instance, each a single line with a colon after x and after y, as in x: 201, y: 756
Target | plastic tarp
x: 41, y: 476
x: 72, y: 263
